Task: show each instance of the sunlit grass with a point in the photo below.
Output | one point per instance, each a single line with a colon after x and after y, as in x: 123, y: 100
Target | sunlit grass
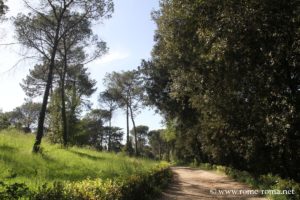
x: 19, y: 164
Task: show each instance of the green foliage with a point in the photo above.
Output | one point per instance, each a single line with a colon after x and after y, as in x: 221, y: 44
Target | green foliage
x: 25, y: 115
x: 142, y: 138
x: 58, y: 164
x: 55, y: 119
x: 14, y: 191
x: 74, y: 173
x: 169, y: 134
x: 128, y: 149
x: 125, y: 89
x: 162, y: 143
x: 4, y: 120
x: 157, y: 144
x: 226, y: 73
x: 262, y: 182
x: 64, y: 31
x: 267, y: 182
x: 55, y: 192
x: 148, y: 185
x: 140, y: 186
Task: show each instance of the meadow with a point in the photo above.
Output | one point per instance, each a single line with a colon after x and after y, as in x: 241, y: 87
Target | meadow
x: 54, y: 164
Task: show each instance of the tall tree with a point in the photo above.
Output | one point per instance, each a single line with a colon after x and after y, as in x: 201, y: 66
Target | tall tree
x: 107, y: 101
x: 78, y: 88
x: 43, y: 29
x: 127, y: 91
x: 72, y: 52
x: 226, y: 74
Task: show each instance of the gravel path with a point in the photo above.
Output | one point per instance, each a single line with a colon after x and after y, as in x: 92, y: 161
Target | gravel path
x: 200, y: 184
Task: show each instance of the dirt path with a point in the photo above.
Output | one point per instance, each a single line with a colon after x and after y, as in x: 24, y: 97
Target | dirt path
x: 200, y: 184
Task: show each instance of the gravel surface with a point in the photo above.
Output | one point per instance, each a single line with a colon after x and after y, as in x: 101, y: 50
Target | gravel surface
x: 191, y: 183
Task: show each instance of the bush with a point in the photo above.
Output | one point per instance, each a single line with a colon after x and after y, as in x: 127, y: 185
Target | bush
x: 149, y: 185
x: 262, y: 182
x: 282, y: 184
x: 268, y: 182
x: 14, y: 191
x: 140, y: 186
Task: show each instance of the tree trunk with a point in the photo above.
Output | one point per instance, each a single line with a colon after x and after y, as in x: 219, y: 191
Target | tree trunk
x: 63, y: 114
x: 110, y: 132
x: 63, y: 101
x: 127, y: 123
x: 101, y: 142
x: 134, y: 129
x: 40, y: 129
x: 72, y: 113
x: 159, y: 150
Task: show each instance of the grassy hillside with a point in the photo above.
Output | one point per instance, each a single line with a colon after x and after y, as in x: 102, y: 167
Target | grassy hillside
x: 18, y: 164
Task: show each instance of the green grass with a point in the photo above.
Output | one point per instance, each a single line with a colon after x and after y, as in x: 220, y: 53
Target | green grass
x: 19, y: 165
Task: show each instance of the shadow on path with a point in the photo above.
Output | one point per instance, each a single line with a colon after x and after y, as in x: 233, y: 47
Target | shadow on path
x: 190, y: 184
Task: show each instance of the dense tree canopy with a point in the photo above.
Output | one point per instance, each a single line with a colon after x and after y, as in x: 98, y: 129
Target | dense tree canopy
x: 227, y: 74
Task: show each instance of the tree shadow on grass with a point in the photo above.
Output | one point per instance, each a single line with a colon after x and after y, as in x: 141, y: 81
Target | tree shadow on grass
x: 85, y: 155
x: 6, y: 148
x: 47, y: 158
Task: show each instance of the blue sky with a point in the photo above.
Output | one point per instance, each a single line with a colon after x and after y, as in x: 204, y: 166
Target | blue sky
x: 129, y: 36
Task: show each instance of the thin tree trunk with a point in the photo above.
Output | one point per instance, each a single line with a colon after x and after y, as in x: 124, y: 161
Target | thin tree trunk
x: 63, y: 114
x: 40, y: 129
x: 101, y: 142
x: 159, y: 150
x: 127, y: 122
x: 72, y: 113
x: 110, y: 132
x: 63, y: 101
x: 134, y: 129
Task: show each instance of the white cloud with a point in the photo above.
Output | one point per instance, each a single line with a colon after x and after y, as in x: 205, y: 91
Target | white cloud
x: 112, y: 57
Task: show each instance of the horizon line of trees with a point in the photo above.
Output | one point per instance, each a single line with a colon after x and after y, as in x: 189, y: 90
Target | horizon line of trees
x: 94, y: 130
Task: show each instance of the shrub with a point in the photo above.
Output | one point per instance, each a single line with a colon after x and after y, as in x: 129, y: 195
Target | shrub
x: 13, y: 191
x: 148, y: 185
x: 139, y: 186
x: 263, y: 182
x: 282, y: 184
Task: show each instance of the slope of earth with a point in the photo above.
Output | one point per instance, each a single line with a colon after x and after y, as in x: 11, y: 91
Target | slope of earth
x: 19, y: 165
